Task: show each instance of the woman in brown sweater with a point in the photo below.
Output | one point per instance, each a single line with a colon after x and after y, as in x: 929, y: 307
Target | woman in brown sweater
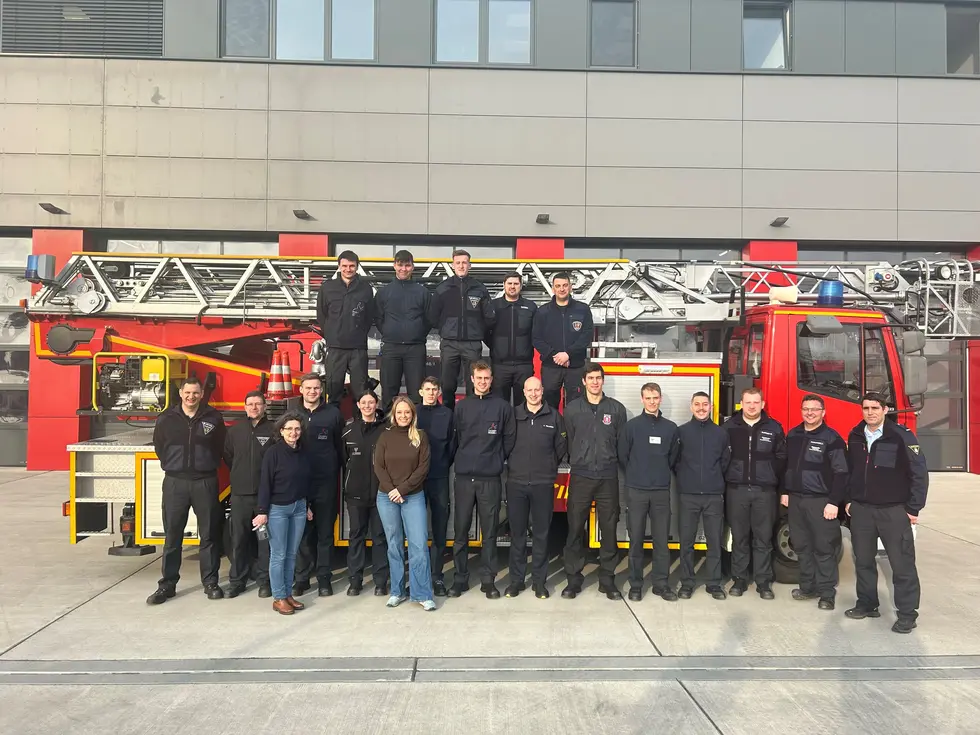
x: 401, y: 462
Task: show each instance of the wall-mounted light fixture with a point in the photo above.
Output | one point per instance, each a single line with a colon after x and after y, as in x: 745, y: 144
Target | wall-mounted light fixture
x: 302, y: 214
x: 543, y: 219
x: 50, y: 208
x: 779, y: 222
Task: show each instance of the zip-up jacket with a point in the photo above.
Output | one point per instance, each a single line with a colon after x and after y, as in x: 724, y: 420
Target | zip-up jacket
x: 563, y: 329
x: 594, y: 436
x: 894, y: 471
x: 360, y: 482
x: 703, y: 458
x: 816, y: 463
x: 324, y: 429
x: 245, y: 446
x: 439, y: 425
x: 286, y: 476
x: 758, y: 452
x: 485, y: 435
x: 510, y: 341
x: 398, y: 464
x: 402, y: 312
x: 190, y: 448
x: 650, y: 446
x: 542, y: 444
x: 345, y: 313
x: 462, y: 310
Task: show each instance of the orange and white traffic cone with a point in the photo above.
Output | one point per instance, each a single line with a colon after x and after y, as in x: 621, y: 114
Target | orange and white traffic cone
x: 287, y: 376
x: 277, y: 390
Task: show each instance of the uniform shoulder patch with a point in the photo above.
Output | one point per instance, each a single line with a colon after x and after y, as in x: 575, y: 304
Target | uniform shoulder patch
x: 914, y: 448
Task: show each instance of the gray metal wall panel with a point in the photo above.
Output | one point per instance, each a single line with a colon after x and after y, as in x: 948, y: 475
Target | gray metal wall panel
x: 920, y: 38
x: 190, y: 29
x: 561, y: 34
x: 869, y: 37
x: 405, y: 31
x: 716, y: 35
x: 818, y: 36
x: 664, y: 35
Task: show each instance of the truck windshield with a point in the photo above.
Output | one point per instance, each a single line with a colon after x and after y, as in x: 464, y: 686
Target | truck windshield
x: 844, y: 365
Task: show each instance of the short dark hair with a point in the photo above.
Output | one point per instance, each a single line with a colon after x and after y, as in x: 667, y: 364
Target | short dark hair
x: 648, y: 387
x: 254, y: 394
x: 480, y: 365
x: 404, y: 256
x: 592, y: 367
x: 700, y: 394
x: 348, y: 255
x: 514, y: 274
x: 432, y: 380
x: 813, y: 397
x: 291, y: 416
x: 561, y: 274
x: 752, y: 391
x: 191, y: 380
x: 460, y: 251
x: 873, y: 396
x: 310, y: 376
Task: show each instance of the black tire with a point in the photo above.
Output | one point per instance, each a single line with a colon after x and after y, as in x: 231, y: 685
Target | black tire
x: 785, y: 563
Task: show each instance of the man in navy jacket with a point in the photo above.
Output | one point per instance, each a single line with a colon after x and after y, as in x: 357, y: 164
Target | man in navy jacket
x: 562, y: 334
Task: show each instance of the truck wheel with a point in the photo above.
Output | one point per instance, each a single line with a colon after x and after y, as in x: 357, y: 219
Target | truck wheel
x: 785, y: 562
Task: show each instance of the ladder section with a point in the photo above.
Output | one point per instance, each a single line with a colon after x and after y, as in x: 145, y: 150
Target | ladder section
x: 940, y: 298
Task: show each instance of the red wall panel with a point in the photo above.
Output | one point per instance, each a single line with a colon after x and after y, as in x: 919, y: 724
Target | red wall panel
x: 299, y: 245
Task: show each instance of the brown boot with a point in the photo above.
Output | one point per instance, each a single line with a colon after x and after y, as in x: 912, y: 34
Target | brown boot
x: 282, y: 607
x: 295, y: 604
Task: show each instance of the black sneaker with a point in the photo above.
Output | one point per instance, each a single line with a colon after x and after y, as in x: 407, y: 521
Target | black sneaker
x: 826, y: 603
x: 439, y: 588
x: 903, y: 625
x: 716, y: 592
x: 513, y: 590
x: 860, y: 613
x: 235, y: 590
x: 213, y: 591
x: 685, y: 593
x: 161, y: 595
x: 739, y: 588
x: 799, y: 594
x: 541, y: 592
x: 665, y: 593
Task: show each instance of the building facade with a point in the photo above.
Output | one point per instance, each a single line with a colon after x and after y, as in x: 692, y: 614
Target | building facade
x: 654, y: 129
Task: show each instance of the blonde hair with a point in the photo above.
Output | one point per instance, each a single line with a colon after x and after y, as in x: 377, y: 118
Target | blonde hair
x: 413, y: 428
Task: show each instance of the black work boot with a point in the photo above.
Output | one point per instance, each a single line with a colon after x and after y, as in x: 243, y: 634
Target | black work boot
x: 162, y: 594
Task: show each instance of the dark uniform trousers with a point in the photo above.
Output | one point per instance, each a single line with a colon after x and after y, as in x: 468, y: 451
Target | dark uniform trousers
x: 363, y: 519
x: 536, y: 502
x: 508, y: 381
x: 581, y: 492
x: 816, y: 541
x: 751, y: 517
x: 456, y: 356
x: 891, y: 524
x: 179, y: 496
x: 398, y: 361
x: 655, y: 505
x: 248, y: 554
x: 710, y: 510
x: 436, y: 491
x: 554, y: 377
x: 316, y: 549
x: 338, y: 363
x: 484, y: 493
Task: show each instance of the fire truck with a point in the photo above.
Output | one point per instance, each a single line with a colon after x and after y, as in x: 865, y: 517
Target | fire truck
x: 137, y: 324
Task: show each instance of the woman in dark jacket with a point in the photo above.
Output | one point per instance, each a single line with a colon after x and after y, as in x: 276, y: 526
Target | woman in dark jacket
x: 285, y: 489
x: 360, y: 492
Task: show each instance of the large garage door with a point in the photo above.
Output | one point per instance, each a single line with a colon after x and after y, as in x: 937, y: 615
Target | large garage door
x: 942, y: 422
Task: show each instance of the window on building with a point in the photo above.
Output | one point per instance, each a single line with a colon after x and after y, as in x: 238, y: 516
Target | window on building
x: 962, y: 40
x: 765, y: 35
x: 352, y: 30
x: 245, y: 28
x: 299, y: 30
x: 458, y: 31
x: 509, y: 32
x: 613, y: 33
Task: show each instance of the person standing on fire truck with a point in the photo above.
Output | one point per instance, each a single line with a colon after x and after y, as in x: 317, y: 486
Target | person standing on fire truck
x: 245, y: 446
x: 189, y: 440
x: 887, y: 491
x: 562, y: 334
x: 325, y: 444
x: 815, y: 486
x: 345, y: 313
x: 511, y: 351
x: 758, y: 463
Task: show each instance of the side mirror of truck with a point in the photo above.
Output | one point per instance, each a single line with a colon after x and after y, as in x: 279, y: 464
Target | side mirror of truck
x: 916, y: 375
x: 913, y: 341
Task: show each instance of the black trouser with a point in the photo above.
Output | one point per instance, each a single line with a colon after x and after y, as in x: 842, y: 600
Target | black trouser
x: 816, y: 541
x: 581, y: 492
x: 246, y: 549
x: 891, y: 524
x: 553, y: 377
x: 710, y: 510
x: 456, y: 355
x: 751, y: 513
x: 508, y: 381
x: 362, y: 519
x: 436, y: 491
x: 398, y: 361
x: 653, y: 504
x: 339, y: 362
x: 316, y: 550
x: 538, y: 503
x: 484, y: 493
x: 179, y: 496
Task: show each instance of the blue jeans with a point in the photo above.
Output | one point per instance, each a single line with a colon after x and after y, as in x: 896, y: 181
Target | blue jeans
x: 401, y: 519
x: 286, y: 524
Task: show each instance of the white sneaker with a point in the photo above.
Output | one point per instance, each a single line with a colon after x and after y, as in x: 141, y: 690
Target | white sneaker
x: 428, y: 605
x: 396, y: 600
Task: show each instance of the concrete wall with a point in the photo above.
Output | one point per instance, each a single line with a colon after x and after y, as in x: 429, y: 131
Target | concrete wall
x: 227, y: 146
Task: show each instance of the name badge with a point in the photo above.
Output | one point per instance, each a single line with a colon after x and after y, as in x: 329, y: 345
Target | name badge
x: 654, y: 439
